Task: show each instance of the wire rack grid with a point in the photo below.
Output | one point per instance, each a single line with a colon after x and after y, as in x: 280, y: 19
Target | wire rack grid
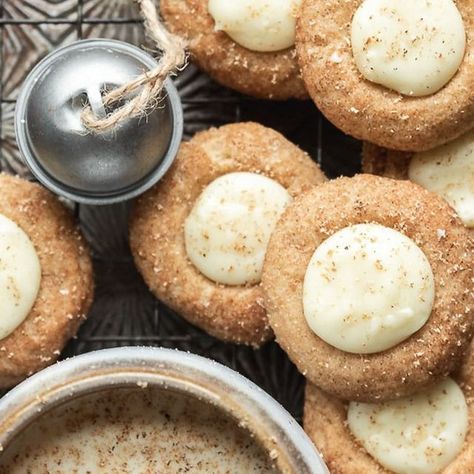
x: 124, y: 312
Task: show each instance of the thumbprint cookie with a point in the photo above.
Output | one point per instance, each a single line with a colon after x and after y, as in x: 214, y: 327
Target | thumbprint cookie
x: 368, y: 287
x: 199, y: 237
x: 396, y: 73
x: 46, y: 282
x: 429, y: 432
x: 246, y: 45
x: 447, y: 170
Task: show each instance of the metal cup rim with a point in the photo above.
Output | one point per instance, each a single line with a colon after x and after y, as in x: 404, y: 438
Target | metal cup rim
x: 170, y: 369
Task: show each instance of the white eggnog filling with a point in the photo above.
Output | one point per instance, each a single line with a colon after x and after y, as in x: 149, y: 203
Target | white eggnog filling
x: 420, y: 434
x: 367, y: 288
x: 258, y: 25
x: 414, y: 48
x: 20, y: 276
x: 449, y: 171
x: 227, y: 231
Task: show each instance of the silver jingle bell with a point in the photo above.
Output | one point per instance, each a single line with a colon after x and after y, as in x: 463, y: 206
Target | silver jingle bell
x: 99, y: 168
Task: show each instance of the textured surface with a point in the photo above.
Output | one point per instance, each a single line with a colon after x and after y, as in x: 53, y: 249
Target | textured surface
x: 266, y: 75
x: 367, y: 110
x: 233, y: 314
x: 418, y: 361
x: 66, y: 288
x: 325, y: 423
x: 124, y: 312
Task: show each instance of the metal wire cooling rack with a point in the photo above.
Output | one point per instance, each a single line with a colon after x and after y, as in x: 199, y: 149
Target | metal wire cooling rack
x: 124, y: 312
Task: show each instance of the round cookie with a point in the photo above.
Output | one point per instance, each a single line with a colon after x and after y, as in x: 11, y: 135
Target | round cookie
x: 66, y: 288
x: 447, y: 170
x: 418, y: 361
x: 231, y: 313
x: 325, y: 421
x: 367, y: 110
x: 267, y: 75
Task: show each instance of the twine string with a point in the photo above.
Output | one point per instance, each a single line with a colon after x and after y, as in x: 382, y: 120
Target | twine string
x: 151, y: 82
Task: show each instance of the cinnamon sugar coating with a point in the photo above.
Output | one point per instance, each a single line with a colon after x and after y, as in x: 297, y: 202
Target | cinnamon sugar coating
x: 231, y: 313
x: 388, y: 163
x: 419, y: 361
x: 325, y: 423
x: 272, y: 75
x: 66, y: 288
x: 369, y: 111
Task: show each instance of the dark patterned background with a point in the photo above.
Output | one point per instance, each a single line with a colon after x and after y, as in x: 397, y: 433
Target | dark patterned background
x: 124, y: 312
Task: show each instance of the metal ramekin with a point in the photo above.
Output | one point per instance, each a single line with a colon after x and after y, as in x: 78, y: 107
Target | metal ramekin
x: 186, y: 373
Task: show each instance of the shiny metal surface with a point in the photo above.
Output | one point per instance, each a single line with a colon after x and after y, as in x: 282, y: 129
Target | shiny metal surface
x: 93, y: 168
x: 166, y: 369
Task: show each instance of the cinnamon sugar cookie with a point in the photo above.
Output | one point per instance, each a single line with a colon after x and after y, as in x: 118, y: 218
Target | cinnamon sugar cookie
x: 368, y: 287
x: 420, y: 439
x: 199, y: 236
x: 46, y: 283
x: 395, y: 73
x: 384, y: 162
x: 447, y: 170
x: 247, y: 45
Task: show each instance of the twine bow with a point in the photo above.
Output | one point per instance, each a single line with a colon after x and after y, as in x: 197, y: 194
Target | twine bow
x: 152, y: 82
